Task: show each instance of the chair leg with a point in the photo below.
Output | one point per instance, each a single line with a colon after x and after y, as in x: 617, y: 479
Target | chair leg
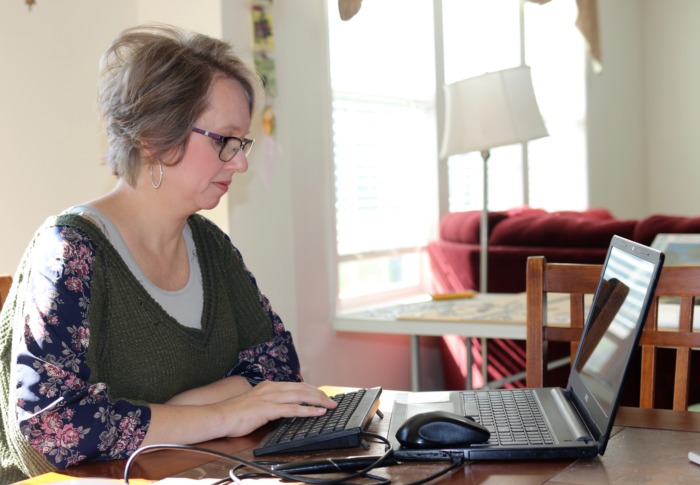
x: 646, y: 386
x: 681, y: 382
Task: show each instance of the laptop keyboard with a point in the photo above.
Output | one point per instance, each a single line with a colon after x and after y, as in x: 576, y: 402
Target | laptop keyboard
x: 337, y: 428
x: 513, y: 416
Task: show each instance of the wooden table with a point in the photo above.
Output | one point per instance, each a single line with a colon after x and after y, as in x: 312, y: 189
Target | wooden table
x: 647, y: 446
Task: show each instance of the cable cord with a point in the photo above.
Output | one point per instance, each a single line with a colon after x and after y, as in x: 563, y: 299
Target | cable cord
x: 456, y: 462
x: 263, y: 469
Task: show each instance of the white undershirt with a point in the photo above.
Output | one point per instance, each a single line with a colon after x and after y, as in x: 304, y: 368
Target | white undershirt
x: 184, y: 305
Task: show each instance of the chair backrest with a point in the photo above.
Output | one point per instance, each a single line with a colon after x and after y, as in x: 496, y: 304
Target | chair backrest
x: 5, y: 283
x: 578, y: 280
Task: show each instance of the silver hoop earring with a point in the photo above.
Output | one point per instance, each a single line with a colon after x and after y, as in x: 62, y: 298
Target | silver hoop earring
x: 160, y: 170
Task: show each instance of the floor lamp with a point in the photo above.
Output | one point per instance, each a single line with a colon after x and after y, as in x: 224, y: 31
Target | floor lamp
x: 485, y: 112
x: 481, y: 113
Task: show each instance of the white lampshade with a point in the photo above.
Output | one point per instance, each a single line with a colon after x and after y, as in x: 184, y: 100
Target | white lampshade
x: 491, y: 110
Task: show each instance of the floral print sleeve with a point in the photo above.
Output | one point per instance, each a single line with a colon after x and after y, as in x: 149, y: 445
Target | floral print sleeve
x: 276, y: 360
x: 63, y: 416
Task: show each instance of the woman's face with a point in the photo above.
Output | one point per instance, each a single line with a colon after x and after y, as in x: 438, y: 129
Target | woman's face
x: 201, y: 178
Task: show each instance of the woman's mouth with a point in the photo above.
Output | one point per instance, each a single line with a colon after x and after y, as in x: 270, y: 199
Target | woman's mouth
x: 223, y: 185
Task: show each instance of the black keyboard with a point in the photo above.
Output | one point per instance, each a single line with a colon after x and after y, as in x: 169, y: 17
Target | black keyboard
x: 513, y: 416
x: 337, y: 428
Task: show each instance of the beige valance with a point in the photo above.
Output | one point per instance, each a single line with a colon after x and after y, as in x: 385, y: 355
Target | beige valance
x: 587, y: 23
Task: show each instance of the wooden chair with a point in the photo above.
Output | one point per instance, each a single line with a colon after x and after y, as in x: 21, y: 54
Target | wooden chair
x: 5, y: 283
x: 579, y: 280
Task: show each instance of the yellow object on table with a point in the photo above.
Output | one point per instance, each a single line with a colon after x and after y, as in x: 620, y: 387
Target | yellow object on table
x: 455, y: 296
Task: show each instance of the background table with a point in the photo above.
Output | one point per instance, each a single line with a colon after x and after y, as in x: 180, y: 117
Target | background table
x: 484, y: 316
x: 490, y: 315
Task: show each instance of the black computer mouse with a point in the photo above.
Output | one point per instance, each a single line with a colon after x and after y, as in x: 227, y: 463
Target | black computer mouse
x: 439, y: 429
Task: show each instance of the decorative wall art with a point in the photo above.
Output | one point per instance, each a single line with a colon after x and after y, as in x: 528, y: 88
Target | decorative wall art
x: 263, y: 45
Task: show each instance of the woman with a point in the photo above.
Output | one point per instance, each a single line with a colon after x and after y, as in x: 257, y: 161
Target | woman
x: 132, y: 320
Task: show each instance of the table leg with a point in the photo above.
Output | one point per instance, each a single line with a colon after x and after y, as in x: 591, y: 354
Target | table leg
x: 468, y: 342
x: 485, y: 362
x: 415, y: 363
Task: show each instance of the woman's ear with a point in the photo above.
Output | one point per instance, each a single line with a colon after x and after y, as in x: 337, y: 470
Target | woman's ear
x: 147, y: 153
x: 169, y: 157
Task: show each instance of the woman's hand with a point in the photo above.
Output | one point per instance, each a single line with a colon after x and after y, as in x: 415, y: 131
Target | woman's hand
x: 235, y: 416
x: 272, y: 400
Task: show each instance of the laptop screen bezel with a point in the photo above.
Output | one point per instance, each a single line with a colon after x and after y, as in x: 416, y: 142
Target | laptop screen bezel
x: 599, y: 422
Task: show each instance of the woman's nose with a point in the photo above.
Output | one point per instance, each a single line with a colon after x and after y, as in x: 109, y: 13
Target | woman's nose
x: 239, y: 162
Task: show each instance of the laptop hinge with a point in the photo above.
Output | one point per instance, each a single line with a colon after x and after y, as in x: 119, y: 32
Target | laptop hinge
x: 570, y: 415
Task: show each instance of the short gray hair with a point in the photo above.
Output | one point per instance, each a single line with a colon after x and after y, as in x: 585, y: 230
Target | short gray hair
x: 154, y: 83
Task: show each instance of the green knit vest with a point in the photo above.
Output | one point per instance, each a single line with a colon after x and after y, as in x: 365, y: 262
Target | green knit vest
x: 136, y: 348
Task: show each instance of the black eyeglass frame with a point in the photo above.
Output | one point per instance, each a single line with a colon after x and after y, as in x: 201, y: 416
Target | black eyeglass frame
x: 245, y: 143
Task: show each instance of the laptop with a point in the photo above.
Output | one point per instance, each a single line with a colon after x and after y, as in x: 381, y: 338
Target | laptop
x: 574, y: 422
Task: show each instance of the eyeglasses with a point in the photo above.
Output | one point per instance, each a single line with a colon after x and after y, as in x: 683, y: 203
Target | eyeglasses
x: 229, y: 144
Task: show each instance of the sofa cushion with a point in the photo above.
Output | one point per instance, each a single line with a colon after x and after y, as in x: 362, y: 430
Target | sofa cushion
x: 560, y: 231
x: 595, y: 213
x: 648, y: 228
x: 464, y: 226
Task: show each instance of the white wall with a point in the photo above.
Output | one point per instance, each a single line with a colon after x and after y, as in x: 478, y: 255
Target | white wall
x: 672, y: 123
x: 643, y: 111
x: 51, y: 142
x: 642, y: 118
x: 615, y: 119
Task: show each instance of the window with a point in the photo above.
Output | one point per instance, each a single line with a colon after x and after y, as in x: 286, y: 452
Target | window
x: 555, y: 50
x: 383, y: 77
x: 385, y: 141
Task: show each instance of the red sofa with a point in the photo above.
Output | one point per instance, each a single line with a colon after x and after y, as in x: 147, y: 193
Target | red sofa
x: 563, y: 237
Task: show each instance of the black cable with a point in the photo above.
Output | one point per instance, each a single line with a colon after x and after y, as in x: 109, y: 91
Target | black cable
x: 456, y: 462
x: 222, y: 481
x: 263, y: 469
x: 266, y: 470
x: 330, y: 481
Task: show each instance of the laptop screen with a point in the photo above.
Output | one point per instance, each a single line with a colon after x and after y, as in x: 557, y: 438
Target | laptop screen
x: 612, y: 322
x: 613, y: 327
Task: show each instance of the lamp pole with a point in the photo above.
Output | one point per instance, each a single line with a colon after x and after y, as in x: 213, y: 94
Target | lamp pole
x: 484, y: 229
